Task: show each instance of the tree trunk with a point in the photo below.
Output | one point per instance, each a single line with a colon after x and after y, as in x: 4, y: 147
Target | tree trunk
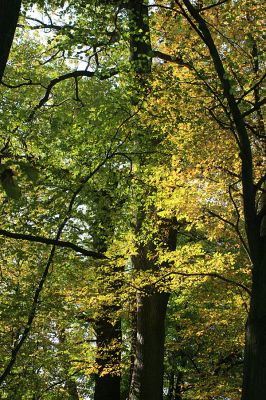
x: 9, y: 13
x: 254, y: 381
x: 107, y: 381
x: 147, y: 378
x: 72, y: 390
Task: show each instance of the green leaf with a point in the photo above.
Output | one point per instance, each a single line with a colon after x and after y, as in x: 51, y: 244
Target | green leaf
x: 30, y: 171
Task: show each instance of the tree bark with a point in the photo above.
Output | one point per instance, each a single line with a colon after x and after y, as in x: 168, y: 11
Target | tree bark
x: 148, y: 369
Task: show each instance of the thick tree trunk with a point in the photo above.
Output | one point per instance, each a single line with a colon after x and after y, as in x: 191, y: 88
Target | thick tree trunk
x: 107, y: 381
x: 147, y: 378
x: 140, y: 42
x: 9, y: 13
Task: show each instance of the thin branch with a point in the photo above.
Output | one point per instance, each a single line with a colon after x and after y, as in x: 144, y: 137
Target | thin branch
x: 28, y: 83
x: 56, y: 384
x: 77, y: 92
x: 212, y: 275
x: 184, y: 13
x: 74, y: 74
x: 241, y: 238
x: 213, y: 5
x: 255, y: 108
x: 49, y: 241
x: 252, y: 87
x: 234, y: 226
x: 172, y: 59
x: 226, y: 221
x: 260, y: 182
x: 43, y: 25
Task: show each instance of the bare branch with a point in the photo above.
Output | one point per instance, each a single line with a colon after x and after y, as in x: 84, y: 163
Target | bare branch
x: 252, y: 87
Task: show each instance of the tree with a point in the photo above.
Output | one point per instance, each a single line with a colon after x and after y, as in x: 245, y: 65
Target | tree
x: 237, y: 112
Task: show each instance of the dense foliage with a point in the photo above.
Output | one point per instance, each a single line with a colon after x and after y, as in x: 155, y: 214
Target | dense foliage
x: 131, y: 133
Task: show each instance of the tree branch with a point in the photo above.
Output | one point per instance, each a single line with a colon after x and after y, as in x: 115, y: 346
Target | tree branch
x: 75, y: 75
x: 255, y: 108
x: 49, y: 241
x: 212, y: 275
x: 33, y: 309
x: 172, y: 59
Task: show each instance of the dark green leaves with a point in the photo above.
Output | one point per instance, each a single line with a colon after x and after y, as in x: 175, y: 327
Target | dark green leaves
x: 9, y: 184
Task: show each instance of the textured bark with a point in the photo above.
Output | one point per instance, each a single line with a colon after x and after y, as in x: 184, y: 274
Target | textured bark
x: 147, y: 378
x: 9, y: 13
x: 108, y: 327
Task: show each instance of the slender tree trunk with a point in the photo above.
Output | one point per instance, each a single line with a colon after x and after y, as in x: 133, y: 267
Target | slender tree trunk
x: 147, y: 378
x: 254, y: 380
x: 178, y: 387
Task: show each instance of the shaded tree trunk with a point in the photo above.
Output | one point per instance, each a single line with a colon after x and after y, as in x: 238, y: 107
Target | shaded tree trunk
x: 147, y: 377
x: 148, y: 369
x: 254, y: 381
x: 72, y: 389
x: 108, y: 379
x: 108, y: 326
x: 9, y: 13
